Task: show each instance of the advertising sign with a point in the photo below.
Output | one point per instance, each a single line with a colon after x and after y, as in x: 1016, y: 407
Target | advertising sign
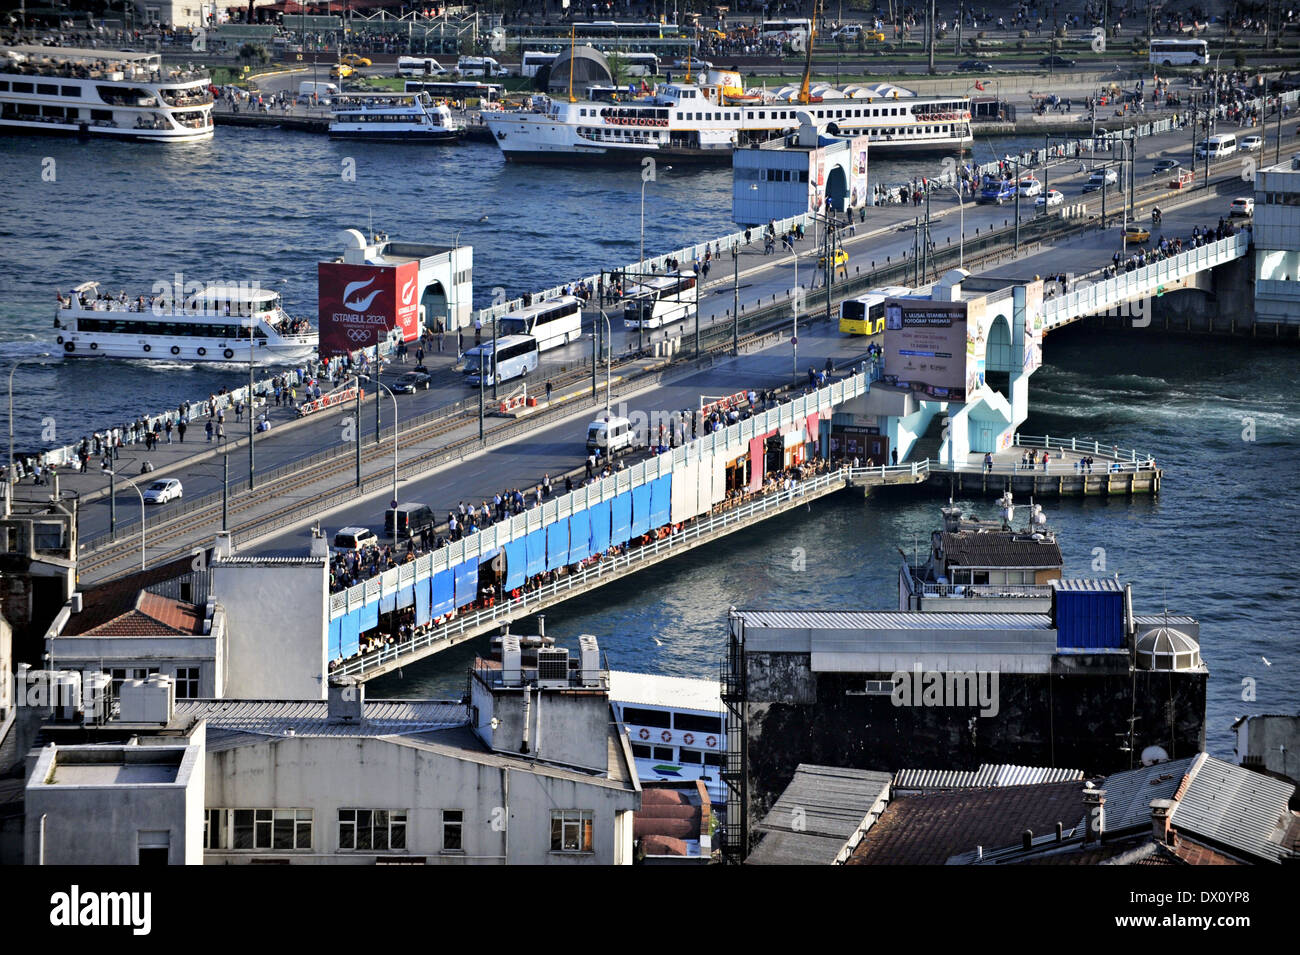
x: 858, y: 158
x: 926, y: 348
x: 1033, y: 293
x: 978, y: 323
x: 356, y: 306
x: 408, y: 300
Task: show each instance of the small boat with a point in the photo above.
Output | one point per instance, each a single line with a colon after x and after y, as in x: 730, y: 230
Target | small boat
x: 393, y: 118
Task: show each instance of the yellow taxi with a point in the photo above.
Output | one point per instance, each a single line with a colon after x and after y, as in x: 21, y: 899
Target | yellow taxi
x: 1133, y: 232
x: 874, y: 36
x: 354, y: 60
x: 341, y: 71
x: 841, y: 260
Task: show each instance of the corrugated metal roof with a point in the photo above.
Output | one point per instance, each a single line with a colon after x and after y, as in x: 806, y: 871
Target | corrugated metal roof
x: 1235, y: 807
x: 268, y: 561
x: 820, y: 810
x: 890, y: 620
x: 989, y: 774
x: 670, y: 692
x: 1082, y: 584
x: 1129, y: 794
x: 1160, y: 619
x: 310, y: 717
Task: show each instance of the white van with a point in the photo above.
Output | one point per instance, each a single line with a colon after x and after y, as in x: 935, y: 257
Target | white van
x: 609, y: 436
x: 353, y: 539
x: 1217, y: 147
x: 320, y: 90
x: 478, y: 66
x: 419, y: 66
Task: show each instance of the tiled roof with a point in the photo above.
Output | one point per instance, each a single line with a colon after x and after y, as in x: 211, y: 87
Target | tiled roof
x: 111, y: 599
x: 674, y: 815
x: 930, y: 828
x: 1000, y: 550
x: 152, y: 616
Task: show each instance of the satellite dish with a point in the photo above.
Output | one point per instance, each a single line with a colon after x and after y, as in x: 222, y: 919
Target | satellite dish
x: 1154, y: 754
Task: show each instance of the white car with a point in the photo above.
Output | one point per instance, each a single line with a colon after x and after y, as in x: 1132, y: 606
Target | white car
x: 1030, y: 187
x: 1242, y: 207
x: 160, y: 492
x: 1251, y: 143
x: 1053, y: 198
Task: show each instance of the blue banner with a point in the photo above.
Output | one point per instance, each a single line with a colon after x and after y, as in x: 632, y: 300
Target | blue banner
x: 423, y: 613
x: 599, y: 527
x: 661, y: 500
x: 516, y: 564
x: 388, y: 604
x: 370, y: 616
x: 336, y: 639
x: 466, y: 582
x: 579, y: 536
x: 405, y: 597
x: 557, y: 545
x: 535, y: 543
x: 640, y: 510
x: 620, y: 519
x: 444, y: 593
x: 350, y: 633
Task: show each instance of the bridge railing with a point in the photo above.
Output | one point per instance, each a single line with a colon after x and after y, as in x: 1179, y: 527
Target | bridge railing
x: 1127, y: 286
x: 1111, y: 452
x: 605, y: 569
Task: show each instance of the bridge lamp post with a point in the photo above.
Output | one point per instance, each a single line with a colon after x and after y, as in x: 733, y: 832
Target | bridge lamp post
x: 114, y: 475
x: 9, y: 475
x: 609, y: 359
x: 380, y: 384
x: 794, y: 338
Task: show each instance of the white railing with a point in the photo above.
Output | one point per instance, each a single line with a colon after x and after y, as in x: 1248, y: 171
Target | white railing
x: 980, y: 590
x: 1112, y: 453
x: 1090, y: 299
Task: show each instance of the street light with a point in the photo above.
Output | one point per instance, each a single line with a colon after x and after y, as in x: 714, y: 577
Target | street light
x: 114, y: 475
x: 798, y: 294
x: 380, y: 384
x: 961, y: 224
x: 609, y: 359
x: 640, y: 265
x: 9, y: 475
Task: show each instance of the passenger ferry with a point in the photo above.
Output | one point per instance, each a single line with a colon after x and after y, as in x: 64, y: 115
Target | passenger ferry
x: 706, y: 122
x: 677, y: 728
x: 393, y: 118
x: 103, y: 93
x: 211, y: 325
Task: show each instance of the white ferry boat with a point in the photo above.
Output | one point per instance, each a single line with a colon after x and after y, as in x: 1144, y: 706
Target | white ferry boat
x: 706, y: 122
x: 102, y: 93
x: 677, y: 728
x: 211, y: 325
x: 393, y: 118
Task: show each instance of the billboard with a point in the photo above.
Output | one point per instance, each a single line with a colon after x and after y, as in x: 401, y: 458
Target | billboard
x: 978, y: 323
x: 925, y: 347
x: 357, y: 305
x: 1033, y: 335
x: 858, y: 157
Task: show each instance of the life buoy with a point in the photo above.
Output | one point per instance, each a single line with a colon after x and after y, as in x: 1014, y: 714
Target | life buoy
x: 202, y: 352
x: 666, y: 736
x: 228, y: 353
x: 644, y: 734
x: 688, y: 739
x: 94, y: 346
x: 148, y: 347
x: 68, y: 346
x: 711, y: 742
x: 176, y: 349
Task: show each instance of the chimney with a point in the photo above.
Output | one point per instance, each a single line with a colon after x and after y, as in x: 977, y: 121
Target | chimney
x: 1027, y: 839
x: 345, y: 701
x: 1162, y: 813
x: 222, y: 546
x: 1094, y: 812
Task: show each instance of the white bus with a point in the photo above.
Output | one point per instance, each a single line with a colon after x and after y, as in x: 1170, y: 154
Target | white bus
x: 1179, y: 52
x: 553, y: 323
x: 534, y: 60
x: 639, y: 64
x: 419, y: 66
x: 659, y: 300
x: 786, y: 30
x: 515, y: 357
x: 478, y: 66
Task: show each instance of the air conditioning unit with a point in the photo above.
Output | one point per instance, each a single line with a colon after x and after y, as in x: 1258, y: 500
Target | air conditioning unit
x: 65, y: 692
x: 512, y: 661
x: 589, y: 654
x: 146, y: 701
x: 97, y: 691
x: 553, y: 667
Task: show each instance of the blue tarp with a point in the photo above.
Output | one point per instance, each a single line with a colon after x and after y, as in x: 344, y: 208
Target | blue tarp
x: 350, y: 633
x: 336, y: 639
x: 535, y: 543
x: 444, y: 593
x: 405, y: 597
x: 516, y: 564
x: 370, y: 617
x: 640, y: 510
x: 579, y: 536
x: 388, y: 604
x: 599, y: 527
x: 557, y: 545
x: 661, y: 500
x: 423, y: 614
x: 466, y: 582
x: 620, y: 518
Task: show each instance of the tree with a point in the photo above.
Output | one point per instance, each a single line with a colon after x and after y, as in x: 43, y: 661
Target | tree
x: 254, y: 52
x: 617, y: 68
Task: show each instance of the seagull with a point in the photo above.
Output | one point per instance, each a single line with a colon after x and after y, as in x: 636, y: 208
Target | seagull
x: 482, y: 218
x: 658, y: 642
x: 1266, y: 663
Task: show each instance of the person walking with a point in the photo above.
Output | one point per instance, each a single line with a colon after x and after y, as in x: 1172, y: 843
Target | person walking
x: 180, y: 430
x: 549, y: 388
x: 208, y: 428
x: 221, y: 432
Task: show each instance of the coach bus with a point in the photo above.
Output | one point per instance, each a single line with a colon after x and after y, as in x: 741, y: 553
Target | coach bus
x: 553, y: 323
x: 658, y: 300
x: 515, y: 356
x: 1179, y: 52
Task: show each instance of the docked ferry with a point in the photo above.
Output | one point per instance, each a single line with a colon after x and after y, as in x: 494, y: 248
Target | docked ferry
x: 707, y: 121
x: 392, y: 118
x: 120, y: 95
x: 216, y: 324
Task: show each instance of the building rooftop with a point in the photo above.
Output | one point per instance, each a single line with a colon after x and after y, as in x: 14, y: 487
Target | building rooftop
x: 989, y: 774
x: 113, y: 598
x: 677, y: 692
x: 311, y: 717
x: 102, y: 765
x: 152, y: 616
x: 819, y: 812
x: 983, y: 549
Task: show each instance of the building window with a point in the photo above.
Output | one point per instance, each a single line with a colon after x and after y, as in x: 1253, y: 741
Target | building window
x: 571, y: 830
x: 664, y: 754
x: 453, y: 830
x: 250, y: 830
x: 378, y: 830
x: 187, y: 683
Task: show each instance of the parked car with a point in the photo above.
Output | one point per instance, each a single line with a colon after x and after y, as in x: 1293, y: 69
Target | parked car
x: 1164, y: 165
x: 1059, y: 62
x: 1053, y: 198
x: 160, y: 492
x: 409, y: 382
x: 974, y: 66
x: 1251, y: 143
x: 1242, y: 206
x: 1133, y: 232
